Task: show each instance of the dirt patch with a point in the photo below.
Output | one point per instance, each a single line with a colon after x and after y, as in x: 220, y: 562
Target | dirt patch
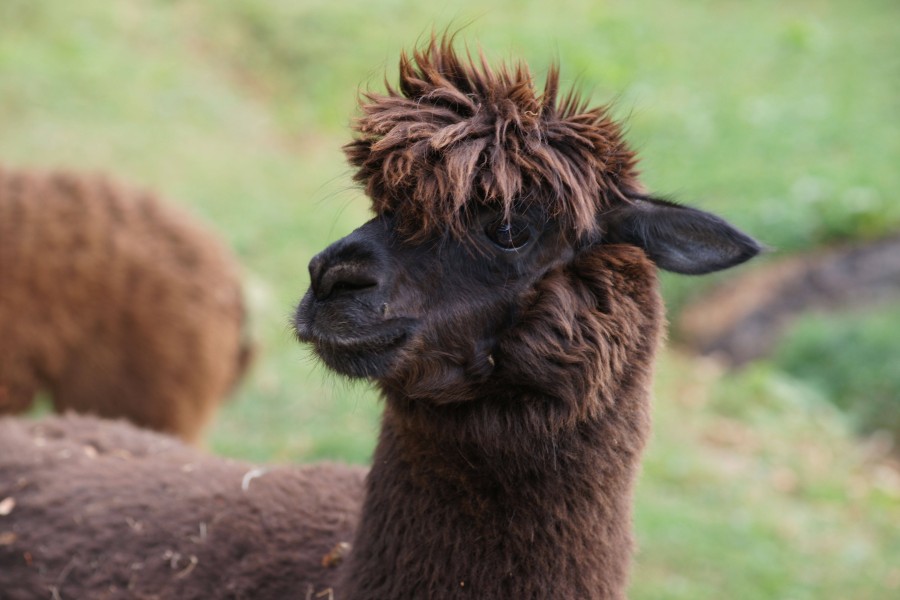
x: 744, y: 319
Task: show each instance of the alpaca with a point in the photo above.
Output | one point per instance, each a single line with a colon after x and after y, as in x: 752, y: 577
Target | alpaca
x: 115, y: 303
x: 504, y: 301
x: 95, y: 508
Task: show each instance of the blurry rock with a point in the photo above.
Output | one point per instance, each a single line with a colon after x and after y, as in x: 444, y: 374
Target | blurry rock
x: 744, y: 318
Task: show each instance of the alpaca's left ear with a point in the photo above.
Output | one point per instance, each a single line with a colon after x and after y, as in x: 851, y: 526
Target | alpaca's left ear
x: 678, y: 238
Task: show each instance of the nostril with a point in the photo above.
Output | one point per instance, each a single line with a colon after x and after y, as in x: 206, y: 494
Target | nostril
x: 351, y: 266
x: 343, y: 279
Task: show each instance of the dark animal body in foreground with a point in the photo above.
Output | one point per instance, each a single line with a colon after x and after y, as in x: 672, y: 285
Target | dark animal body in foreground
x: 102, y: 509
x: 504, y: 300
x: 115, y: 302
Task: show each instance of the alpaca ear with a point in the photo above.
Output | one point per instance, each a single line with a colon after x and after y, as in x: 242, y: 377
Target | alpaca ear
x: 678, y: 238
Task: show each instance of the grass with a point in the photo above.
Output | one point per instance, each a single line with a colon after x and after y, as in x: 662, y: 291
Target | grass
x: 854, y: 360
x: 780, y: 116
x: 752, y: 489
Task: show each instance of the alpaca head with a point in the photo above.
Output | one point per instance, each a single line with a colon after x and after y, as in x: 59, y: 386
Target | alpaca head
x: 508, y: 220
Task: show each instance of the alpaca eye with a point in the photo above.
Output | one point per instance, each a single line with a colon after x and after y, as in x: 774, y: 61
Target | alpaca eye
x: 509, y: 235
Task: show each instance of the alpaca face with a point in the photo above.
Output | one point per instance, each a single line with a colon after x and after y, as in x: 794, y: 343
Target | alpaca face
x: 383, y: 307
x: 426, y: 317
x: 490, y: 197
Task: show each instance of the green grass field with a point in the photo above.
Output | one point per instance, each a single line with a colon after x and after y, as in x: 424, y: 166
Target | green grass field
x: 780, y: 116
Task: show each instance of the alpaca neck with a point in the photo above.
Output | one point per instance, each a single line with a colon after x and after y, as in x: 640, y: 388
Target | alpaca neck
x: 522, y: 518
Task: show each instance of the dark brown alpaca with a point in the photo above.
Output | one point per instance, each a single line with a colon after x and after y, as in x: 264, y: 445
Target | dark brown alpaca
x: 114, y: 302
x: 503, y: 304
x: 504, y: 300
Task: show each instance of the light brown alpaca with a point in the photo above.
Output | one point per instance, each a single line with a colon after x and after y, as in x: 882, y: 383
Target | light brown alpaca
x: 115, y: 303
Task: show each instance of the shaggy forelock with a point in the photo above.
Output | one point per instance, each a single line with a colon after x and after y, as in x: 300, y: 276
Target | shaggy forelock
x: 458, y: 134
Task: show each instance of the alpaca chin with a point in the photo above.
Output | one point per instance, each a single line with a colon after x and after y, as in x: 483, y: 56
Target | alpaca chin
x: 361, y: 358
x: 368, y: 351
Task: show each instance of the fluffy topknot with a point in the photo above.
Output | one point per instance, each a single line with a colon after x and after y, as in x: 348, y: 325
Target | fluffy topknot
x: 458, y: 134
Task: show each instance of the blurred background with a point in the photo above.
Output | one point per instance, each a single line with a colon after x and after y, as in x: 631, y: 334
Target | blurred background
x: 775, y: 479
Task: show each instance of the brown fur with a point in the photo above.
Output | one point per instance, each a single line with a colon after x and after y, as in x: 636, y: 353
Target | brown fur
x: 457, y: 134
x: 524, y: 492
x: 114, y: 302
x: 105, y: 510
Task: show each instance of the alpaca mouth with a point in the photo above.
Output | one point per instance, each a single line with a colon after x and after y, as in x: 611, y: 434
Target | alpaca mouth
x: 368, y: 356
x: 367, y: 352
